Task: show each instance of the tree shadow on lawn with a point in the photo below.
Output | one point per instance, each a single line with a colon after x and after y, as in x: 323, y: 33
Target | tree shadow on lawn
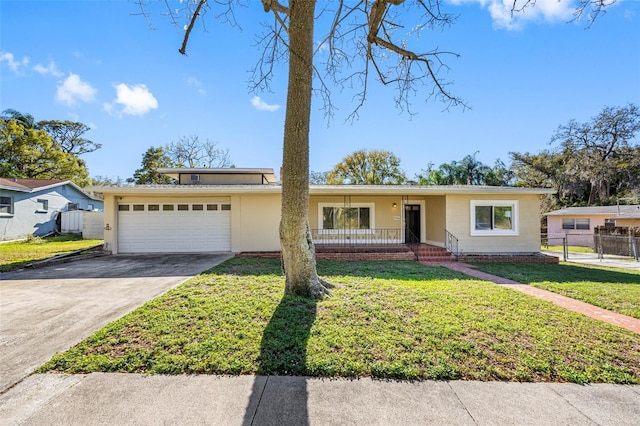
x: 283, y: 352
x: 560, y: 273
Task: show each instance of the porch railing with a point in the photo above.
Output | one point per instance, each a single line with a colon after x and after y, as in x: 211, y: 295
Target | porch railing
x: 352, y: 237
x: 451, y: 242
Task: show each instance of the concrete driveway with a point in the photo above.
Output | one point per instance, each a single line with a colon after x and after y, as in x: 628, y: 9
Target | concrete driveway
x: 50, y: 309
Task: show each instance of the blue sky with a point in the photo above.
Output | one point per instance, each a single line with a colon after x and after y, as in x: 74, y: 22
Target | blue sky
x: 100, y: 63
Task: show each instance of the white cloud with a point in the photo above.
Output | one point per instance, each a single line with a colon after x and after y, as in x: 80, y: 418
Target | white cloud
x: 74, y: 90
x: 196, y: 84
x: 261, y: 105
x: 12, y: 62
x: 50, y: 69
x: 541, y: 11
x: 135, y: 100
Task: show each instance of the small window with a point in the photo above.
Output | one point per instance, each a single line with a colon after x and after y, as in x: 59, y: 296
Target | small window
x: 197, y: 207
x: 72, y: 206
x: 212, y: 207
x: 153, y: 207
x: 90, y: 207
x: 6, y: 205
x: 568, y: 224
x: 123, y: 207
x: 138, y: 207
x: 167, y: 207
x: 183, y: 207
x: 583, y: 224
x: 195, y: 178
x: 226, y: 207
x: 43, y: 205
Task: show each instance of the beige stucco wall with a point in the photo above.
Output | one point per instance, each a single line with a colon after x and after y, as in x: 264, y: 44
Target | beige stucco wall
x: 255, y: 222
x: 458, y: 212
x: 436, y: 212
x: 110, y: 223
x: 631, y: 223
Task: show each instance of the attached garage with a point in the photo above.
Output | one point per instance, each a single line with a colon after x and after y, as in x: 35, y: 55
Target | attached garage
x: 174, y: 227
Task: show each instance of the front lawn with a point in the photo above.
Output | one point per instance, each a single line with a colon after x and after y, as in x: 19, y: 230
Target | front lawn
x: 15, y: 255
x: 615, y: 289
x: 385, y: 319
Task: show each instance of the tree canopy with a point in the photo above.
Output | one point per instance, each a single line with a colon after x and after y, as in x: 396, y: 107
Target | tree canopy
x: 595, y: 162
x: 47, y: 149
x: 152, y: 159
x: 362, y: 167
x: 32, y: 154
x: 468, y: 171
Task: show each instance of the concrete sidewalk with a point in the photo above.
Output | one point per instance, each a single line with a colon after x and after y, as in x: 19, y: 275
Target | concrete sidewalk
x: 127, y: 399
x: 592, y: 259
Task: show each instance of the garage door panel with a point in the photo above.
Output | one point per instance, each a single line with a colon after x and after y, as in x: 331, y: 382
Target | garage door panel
x: 173, y: 231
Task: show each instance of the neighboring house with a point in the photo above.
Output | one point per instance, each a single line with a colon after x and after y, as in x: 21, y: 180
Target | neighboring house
x: 238, y: 210
x: 577, y: 224
x: 32, y: 206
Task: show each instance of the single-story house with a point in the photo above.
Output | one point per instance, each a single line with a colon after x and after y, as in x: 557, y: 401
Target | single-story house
x: 32, y: 206
x: 577, y: 224
x: 238, y: 210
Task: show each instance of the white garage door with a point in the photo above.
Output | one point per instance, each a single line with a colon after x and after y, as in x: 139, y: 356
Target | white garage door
x: 174, y: 228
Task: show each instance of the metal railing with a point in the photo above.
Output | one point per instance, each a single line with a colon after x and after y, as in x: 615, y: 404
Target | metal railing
x: 451, y: 242
x: 352, y: 237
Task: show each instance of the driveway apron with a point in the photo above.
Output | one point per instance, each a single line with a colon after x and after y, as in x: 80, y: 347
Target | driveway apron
x: 50, y: 309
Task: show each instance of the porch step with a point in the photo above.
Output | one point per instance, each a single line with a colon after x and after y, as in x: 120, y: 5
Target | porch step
x: 428, y: 253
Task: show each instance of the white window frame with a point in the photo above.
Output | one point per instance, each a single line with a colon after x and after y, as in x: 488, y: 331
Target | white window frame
x: 515, y: 219
x: 565, y: 224
x: 43, y: 205
x: 10, y: 205
x: 581, y: 227
x: 574, y: 224
x: 372, y: 216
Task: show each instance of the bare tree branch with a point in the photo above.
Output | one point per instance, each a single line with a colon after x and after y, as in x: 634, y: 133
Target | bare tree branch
x: 192, y: 21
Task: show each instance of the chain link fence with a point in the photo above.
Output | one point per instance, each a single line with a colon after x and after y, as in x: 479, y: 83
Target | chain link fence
x: 600, y: 244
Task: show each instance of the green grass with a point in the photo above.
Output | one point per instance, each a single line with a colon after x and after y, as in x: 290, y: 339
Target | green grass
x: 15, y: 255
x: 384, y: 319
x: 615, y: 289
x: 575, y: 249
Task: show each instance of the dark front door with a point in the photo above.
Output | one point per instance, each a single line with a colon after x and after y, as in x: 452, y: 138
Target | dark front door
x: 412, y: 223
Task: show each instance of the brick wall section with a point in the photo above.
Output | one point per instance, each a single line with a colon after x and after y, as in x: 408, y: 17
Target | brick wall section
x: 366, y: 256
x: 339, y: 255
x: 532, y: 258
x: 403, y: 255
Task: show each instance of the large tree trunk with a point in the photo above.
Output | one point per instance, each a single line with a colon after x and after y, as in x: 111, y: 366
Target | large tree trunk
x: 298, y: 252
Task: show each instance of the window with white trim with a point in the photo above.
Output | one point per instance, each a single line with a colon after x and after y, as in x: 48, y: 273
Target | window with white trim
x: 583, y: 224
x: 356, y: 216
x: 494, y: 217
x: 43, y: 205
x: 6, y: 205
